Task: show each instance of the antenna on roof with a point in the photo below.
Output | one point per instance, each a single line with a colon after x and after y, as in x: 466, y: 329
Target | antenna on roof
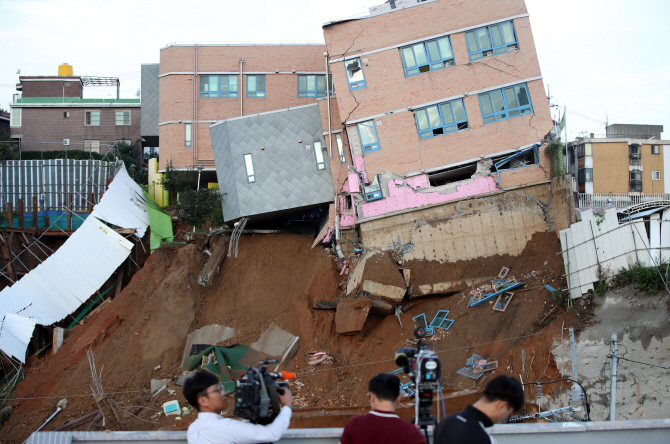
x: 137, y: 94
x: 18, y: 71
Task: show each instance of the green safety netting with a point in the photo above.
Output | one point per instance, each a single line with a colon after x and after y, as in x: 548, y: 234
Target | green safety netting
x: 160, y: 224
x: 231, y: 363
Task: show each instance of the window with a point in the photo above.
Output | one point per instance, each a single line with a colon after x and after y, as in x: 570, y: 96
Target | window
x: 92, y: 146
x: 373, y: 191
x: 122, y: 142
x: 340, y: 148
x: 318, y: 153
x: 491, y: 40
x: 218, y: 86
x: 441, y: 119
x: 187, y: 134
x: 655, y: 149
x: 314, y: 85
x: 66, y: 114
x: 123, y: 117
x: 67, y: 83
x: 427, y: 56
x: 256, y: 86
x: 15, y: 117
x: 355, y: 75
x: 92, y: 118
x: 505, y: 103
x: 655, y: 175
x: 585, y: 175
x: 634, y: 149
x: 369, y: 139
x: 249, y: 166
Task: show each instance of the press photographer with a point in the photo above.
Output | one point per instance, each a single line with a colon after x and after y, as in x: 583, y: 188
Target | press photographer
x: 204, y: 392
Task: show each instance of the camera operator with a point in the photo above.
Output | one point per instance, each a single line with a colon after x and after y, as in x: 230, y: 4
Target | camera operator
x: 204, y: 392
x: 502, y: 396
x: 381, y: 425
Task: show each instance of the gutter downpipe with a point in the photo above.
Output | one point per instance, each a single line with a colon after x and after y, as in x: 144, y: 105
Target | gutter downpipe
x: 330, y: 132
x: 240, y: 89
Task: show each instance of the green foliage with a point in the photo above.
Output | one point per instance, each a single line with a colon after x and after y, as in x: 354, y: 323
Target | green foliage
x: 126, y: 152
x: 62, y: 154
x: 197, y: 206
x: 561, y: 296
x: 644, y: 278
x: 600, y: 218
x: 555, y: 152
x: 176, y: 182
x: 7, y: 150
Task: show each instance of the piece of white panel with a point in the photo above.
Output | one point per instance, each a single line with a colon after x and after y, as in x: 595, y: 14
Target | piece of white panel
x: 655, y: 237
x: 15, y: 334
x: 665, y: 236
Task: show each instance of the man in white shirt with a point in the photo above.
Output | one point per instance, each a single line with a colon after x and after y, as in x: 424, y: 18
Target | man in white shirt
x: 204, y: 392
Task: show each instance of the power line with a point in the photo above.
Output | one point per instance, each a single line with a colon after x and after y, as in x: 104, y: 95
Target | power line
x: 643, y: 363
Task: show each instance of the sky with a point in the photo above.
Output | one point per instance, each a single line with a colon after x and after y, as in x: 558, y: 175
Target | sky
x: 601, y: 60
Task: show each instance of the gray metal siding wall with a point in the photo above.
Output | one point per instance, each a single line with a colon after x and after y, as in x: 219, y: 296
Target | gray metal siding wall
x: 633, y: 131
x: 286, y: 174
x: 149, y: 91
x: 225, y: 171
x: 52, y: 181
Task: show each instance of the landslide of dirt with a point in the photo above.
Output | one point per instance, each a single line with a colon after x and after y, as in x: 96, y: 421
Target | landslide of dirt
x: 275, y: 279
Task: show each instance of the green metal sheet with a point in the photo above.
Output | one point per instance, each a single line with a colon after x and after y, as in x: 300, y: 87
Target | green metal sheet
x: 160, y: 224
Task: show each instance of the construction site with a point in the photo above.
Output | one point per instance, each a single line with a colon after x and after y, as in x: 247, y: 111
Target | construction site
x: 320, y: 231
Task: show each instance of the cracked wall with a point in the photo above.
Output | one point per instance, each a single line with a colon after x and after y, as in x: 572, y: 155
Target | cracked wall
x: 501, y: 222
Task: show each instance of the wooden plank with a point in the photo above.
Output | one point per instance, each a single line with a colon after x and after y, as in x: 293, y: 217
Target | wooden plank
x: 34, y: 211
x: 69, y: 212
x: 10, y: 215
x: 214, y: 262
x: 21, y: 210
x: 77, y: 422
x: 28, y: 242
x: 90, y: 203
x: 11, y: 272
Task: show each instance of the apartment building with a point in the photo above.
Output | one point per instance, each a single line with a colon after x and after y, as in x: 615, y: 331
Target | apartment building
x: 629, y: 159
x: 50, y: 113
x: 437, y: 94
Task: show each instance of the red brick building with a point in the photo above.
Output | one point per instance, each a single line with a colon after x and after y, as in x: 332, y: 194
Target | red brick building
x: 51, y: 114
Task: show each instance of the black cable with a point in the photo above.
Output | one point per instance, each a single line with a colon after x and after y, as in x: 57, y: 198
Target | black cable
x: 586, y: 397
x: 643, y: 363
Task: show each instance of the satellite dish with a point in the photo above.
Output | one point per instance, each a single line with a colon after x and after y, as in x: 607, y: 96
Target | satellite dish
x: 18, y: 71
x: 137, y: 94
x: 353, y: 67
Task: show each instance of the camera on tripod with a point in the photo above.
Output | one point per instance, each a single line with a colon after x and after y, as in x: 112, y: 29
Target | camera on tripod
x: 423, y: 367
x: 257, y: 393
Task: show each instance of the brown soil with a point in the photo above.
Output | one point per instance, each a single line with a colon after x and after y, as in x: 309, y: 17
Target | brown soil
x: 383, y: 269
x: 275, y: 279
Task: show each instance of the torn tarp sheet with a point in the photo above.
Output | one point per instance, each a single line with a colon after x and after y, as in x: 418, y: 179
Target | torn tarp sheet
x: 64, y: 281
x: 123, y: 204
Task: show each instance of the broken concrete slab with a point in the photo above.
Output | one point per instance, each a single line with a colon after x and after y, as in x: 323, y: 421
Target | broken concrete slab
x: 276, y: 342
x: 449, y: 287
x: 389, y: 292
x: 351, y: 315
x: 209, y: 334
x: 157, y: 384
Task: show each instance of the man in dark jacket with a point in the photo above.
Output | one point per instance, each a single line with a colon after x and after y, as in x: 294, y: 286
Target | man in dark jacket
x: 502, y: 396
x: 381, y: 425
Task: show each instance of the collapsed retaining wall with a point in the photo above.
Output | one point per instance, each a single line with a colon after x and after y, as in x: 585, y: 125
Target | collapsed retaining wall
x: 496, y: 223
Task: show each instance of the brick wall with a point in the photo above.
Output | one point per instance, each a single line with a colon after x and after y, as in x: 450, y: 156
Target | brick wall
x: 611, y: 168
x: 179, y: 93
x: 49, y: 125
x: 51, y: 88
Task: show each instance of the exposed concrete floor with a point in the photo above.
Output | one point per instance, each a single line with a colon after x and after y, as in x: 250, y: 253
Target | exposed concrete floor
x: 642, y: 325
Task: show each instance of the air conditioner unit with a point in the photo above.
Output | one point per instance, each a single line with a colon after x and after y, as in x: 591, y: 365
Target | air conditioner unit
x: 66, y: 142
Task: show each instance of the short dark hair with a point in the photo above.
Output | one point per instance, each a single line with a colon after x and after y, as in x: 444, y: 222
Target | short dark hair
x: 196, y: 384
x: 505, y: 388
x: 385, y: 386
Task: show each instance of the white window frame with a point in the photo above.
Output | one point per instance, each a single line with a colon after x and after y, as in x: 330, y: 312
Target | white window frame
x: 656, y: 149
x: 318, y: 154
x: 86, y: 114
x: 12, y: 117
x: 188, y: 134
x: 122, y: 119
x: 657, y: 174
x: 92, y: 146
x: 249, y: 168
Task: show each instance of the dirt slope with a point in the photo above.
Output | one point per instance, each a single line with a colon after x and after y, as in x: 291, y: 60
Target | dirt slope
x: 275, y: 279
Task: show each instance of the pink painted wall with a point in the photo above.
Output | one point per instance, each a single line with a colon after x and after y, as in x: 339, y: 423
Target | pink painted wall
x: 420, y: 181
x: 353, y: 183
x: 347, y: 221
x: 402, y: 197
x: 359, y: 164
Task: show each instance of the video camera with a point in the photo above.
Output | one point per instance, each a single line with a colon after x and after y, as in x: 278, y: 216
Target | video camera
x: 257, y: 393
x: 423, y: 367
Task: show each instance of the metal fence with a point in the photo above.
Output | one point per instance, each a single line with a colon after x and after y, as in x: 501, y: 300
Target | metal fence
x: 52, y: 182
x: 617, y: 200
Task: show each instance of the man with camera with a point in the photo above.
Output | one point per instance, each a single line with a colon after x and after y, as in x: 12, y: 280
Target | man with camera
x: 204, y: 392
x: 381, y: 425
x: 502, y: 396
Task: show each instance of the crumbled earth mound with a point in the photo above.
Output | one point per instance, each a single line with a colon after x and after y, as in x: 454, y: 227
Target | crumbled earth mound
x: 276, y: 278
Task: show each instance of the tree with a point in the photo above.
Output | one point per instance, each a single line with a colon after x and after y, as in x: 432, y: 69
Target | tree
x: 197, y: 206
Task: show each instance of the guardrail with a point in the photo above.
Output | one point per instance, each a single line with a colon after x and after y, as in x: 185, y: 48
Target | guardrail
x: 617, y: 200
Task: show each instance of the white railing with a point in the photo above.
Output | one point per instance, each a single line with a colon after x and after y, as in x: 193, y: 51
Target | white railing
x: 617, y: 200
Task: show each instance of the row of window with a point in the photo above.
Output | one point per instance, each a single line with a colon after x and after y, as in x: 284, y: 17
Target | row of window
x: 436, y: 54
x: 91, y: 118
x: 635, y: 176
x: 634, y: 150
x: 227, y: 85
x: 448, y: 117
x: 93, y: 145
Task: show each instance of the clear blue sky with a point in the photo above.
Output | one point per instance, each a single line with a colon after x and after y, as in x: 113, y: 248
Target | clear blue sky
x: 598, y: 57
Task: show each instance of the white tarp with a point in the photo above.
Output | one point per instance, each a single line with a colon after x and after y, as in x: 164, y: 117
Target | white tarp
x: 64, y: 281
x: 123, y: 204
x: 15, y: 335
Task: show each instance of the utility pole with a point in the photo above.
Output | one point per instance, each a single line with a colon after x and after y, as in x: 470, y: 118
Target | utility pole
x: 575, y: 390
x: 613, y: 389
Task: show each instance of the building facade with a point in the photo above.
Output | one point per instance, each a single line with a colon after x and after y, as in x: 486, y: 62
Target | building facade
x: 51, y: 114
